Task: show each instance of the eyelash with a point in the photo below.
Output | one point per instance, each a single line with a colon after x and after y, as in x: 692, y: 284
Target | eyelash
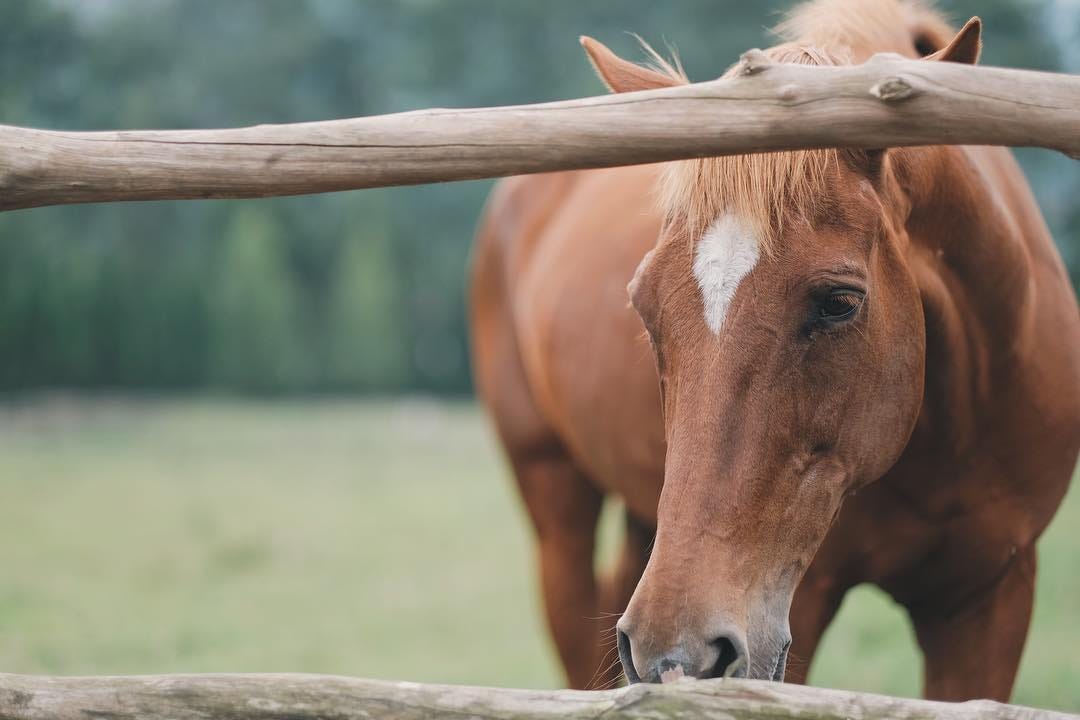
x: 838, y: 306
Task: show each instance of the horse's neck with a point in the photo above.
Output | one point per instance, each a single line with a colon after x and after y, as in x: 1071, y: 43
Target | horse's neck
x: 973, y: 267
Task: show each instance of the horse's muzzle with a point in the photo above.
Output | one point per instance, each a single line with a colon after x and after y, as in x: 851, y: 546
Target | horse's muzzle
x: 723, y: 656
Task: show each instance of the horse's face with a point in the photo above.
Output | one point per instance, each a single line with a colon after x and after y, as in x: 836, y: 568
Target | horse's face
x: 788, y: 379
x: 790, y: 347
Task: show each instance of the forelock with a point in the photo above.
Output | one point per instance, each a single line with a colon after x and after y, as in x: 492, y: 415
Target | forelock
x: 769, y: 189
x: 764, y: 189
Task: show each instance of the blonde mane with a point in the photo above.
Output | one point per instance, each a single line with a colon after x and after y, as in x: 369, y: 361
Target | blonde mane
x: 767, y: 188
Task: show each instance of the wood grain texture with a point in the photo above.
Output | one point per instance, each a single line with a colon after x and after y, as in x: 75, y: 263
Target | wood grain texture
x: 311, y: 697
x: 889, y: 101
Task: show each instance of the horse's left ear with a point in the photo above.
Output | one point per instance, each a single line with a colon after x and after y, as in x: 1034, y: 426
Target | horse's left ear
x: 622, y: 75
x: 965, y: 47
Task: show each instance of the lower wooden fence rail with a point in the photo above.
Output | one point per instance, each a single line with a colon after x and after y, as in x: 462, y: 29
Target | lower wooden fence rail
x: 308, y: 697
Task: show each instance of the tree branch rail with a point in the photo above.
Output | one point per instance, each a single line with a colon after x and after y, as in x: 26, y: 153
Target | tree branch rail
x: 887, y: 102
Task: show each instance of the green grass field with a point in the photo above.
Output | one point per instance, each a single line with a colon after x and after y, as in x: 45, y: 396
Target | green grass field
x: 378, y: 539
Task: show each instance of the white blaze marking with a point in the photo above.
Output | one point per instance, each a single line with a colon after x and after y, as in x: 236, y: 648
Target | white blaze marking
x: 726, y: 253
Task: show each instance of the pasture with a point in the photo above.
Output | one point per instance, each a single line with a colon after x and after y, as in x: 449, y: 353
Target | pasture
x: 370, y: 538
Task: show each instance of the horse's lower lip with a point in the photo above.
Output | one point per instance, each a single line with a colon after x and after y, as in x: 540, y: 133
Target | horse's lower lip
x: 673, y: 675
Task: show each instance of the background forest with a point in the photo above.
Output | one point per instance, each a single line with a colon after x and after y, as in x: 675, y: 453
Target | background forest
x: 357, y: 292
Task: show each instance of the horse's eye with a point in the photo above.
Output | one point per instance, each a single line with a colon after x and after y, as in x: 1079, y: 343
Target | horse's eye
x: 839, y: 305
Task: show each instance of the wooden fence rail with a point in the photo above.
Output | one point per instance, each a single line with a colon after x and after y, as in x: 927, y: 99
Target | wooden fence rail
x: 321, y: 697
x: 889, y: 101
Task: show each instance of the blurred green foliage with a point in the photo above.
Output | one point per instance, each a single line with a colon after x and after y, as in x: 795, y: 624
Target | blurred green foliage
x: 359, y: 292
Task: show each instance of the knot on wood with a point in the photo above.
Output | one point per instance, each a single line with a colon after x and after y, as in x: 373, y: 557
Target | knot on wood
x: 788, y: 93
x: 753, y: 62
x: 893, y: 89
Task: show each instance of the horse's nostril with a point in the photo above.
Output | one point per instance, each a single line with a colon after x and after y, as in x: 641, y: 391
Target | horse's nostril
x: 731, y: 658
x: 627, y: 658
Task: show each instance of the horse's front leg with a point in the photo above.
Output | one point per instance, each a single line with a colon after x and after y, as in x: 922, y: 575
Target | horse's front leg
x: 564, y: 507
x: 974, y: 651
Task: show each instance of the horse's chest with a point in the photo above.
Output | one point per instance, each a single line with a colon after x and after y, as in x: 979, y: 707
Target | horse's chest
x: 927, y: 532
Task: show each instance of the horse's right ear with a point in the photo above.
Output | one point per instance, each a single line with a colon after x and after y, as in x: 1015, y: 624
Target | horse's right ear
x: 622, y: 75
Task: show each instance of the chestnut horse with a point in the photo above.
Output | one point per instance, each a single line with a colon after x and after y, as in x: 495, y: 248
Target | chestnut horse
x: 895, y: 322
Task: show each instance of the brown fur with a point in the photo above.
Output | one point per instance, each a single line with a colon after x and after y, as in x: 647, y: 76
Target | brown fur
x: 922, y: 446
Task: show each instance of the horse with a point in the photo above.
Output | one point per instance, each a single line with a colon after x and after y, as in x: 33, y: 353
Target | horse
x: 835, y: 367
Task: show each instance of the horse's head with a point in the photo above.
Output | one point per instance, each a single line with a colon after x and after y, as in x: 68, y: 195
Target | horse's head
x: 789, y: 338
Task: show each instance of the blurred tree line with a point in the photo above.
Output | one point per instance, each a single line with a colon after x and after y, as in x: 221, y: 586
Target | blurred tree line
x: 355, y: 292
